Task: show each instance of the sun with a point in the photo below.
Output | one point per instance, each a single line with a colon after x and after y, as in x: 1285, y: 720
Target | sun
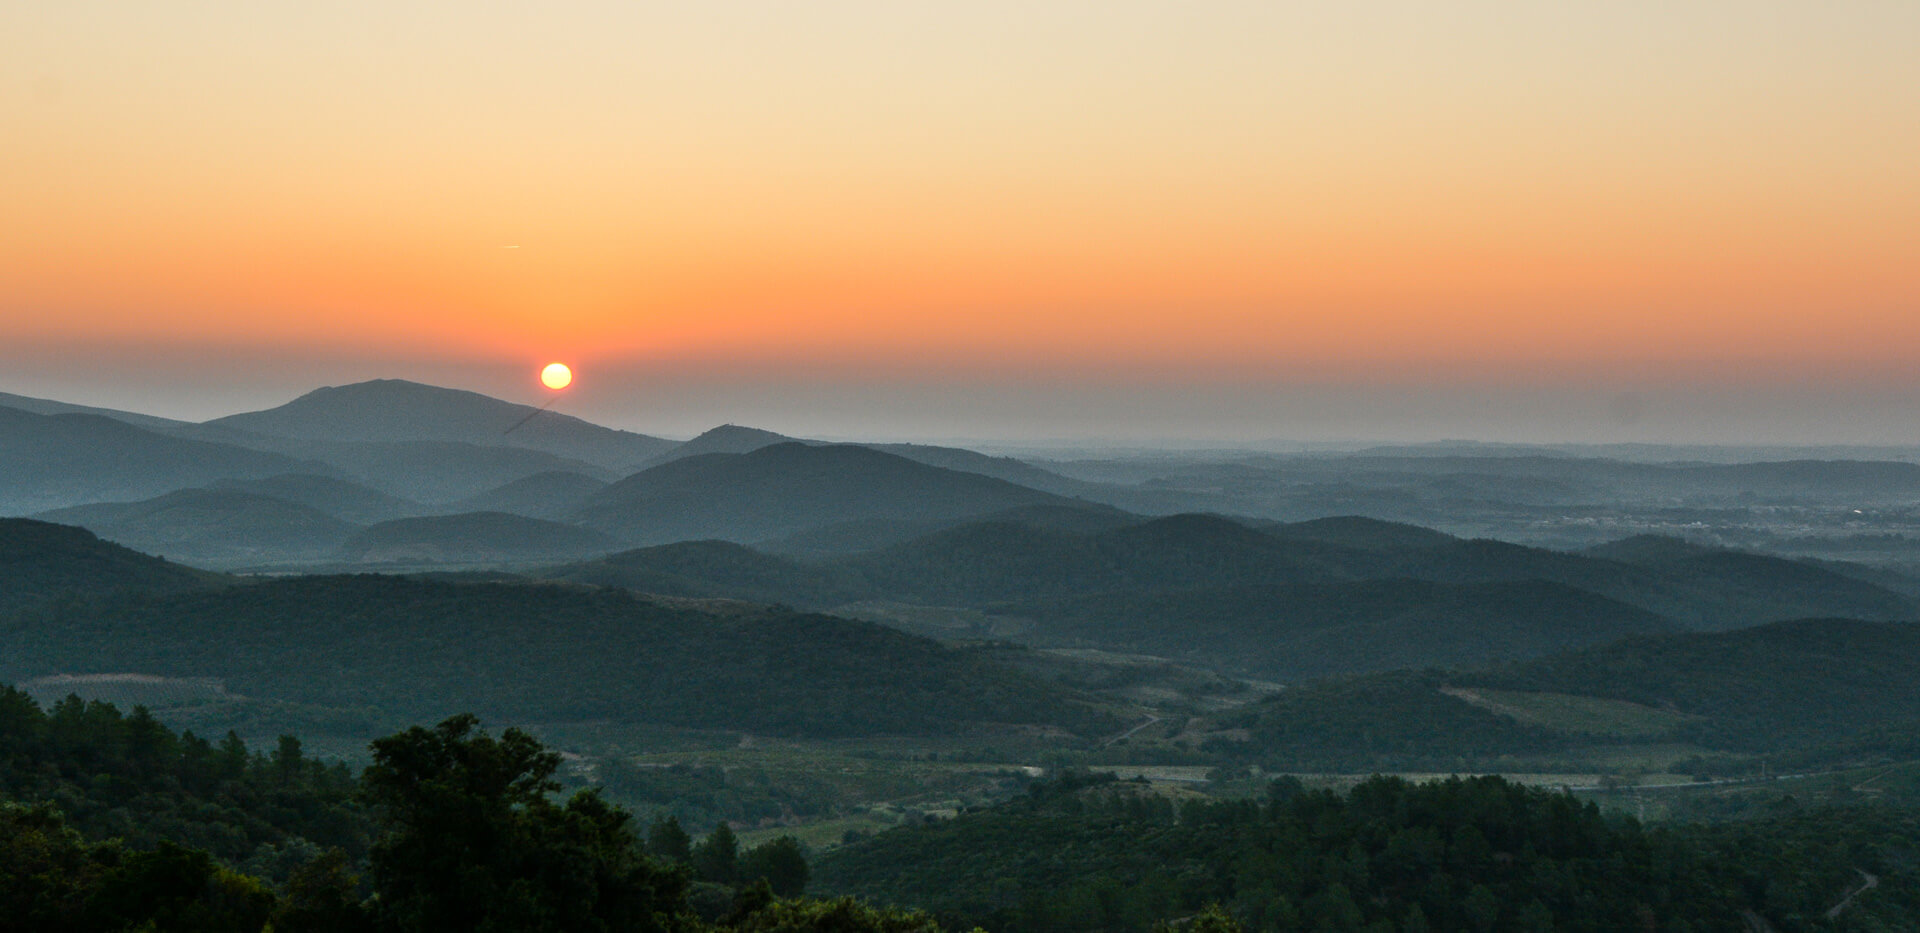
x: 556, y: 376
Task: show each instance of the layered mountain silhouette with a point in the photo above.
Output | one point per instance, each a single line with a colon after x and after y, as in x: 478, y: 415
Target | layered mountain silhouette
x: 726, y: 439
x: 553, y: 495
x: 215, y: 527
x: 1277, y: 601
x: 786, y: 488
x: 56, y: 460
x: 473, y: 538
x: 342, y: 499
x: 395, y: 410
x: 43, y: 406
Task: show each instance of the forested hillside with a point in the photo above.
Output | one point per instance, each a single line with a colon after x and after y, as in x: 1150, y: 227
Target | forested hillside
x: 1814, y: 691
x: 1477, y: 854
x: 42, y: 561
x: 417, y: 649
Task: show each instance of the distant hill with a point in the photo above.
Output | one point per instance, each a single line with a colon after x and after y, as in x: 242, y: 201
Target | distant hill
x: 1278, y: 601
x: 473, y: 538
x: 1805, y: 681
x: 848, y: 538
x: 1788, y: 687
x: 1007, y: 468
x: 435, y: 472
x: 725, y: 439
x: 552, y: 495
x: 42, y: 561
x: 786, y: 488
x: 544, y: 654
x: 347, y: 501
x: 715, y: 569
x: 43, y: 406
x: 214, y: 527
x: 1711, y: 590
x: 58, y: 460
x: 1357, y: 532
x: 393, y: 410
x: 995, y: 562
x: 1305, y: 631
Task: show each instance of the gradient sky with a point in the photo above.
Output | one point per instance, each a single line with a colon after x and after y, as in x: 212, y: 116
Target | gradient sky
x: 1557, y: 221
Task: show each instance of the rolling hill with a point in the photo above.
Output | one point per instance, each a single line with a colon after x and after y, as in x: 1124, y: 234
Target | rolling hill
x: 1815, y: 689
x: 216, y: 527
x: 725, y: 439
x: 57, y: 460
x: 44, y: 406
x: 395, y: 410
x: 472, y: 538
x: 344, y: 500
x: 434, y: 472
x: 1304, y: 631
x: 1275, y: 601
x: 421, y: 650
x: 41, y: 562
x: 552, y: 495
x: 786, y: 488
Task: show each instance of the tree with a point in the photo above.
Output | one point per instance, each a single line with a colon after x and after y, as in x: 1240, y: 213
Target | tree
x: 476, y: 844
x: 668, y: 842
x: 286, y: 760
x: 780, y: 863
x: 841, y: 915
x: 320, y: 898
x: 717, y: 857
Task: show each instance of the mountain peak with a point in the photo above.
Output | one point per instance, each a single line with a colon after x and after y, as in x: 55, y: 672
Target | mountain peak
x: 398, y: 410
x: 725, y: 439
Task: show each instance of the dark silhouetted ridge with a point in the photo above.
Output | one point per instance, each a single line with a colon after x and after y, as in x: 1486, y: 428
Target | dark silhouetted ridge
x: 43, y: 561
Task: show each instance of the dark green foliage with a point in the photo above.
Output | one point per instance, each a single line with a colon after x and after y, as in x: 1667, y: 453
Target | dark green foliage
x: 703, y: 795
x: 322, y: 896
x: 1459, y: 854
x: 53, y: 880
x: 716, y: 860
x: 475, y: 844
x: 667, y: 842
x: 779, y: 863
x: 840, y: 915
x: 130, y: 777
x: 425, y: 649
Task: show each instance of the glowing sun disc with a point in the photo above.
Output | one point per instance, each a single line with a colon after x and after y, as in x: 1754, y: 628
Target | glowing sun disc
x: 556, y: 376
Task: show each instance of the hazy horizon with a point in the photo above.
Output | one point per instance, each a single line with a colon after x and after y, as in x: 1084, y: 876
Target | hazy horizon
x: 1254, y: 417
x: 1494, y: 221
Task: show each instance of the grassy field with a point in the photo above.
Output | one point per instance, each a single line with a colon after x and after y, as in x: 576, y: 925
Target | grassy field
x: 127, y: 691
x: 1566, y: 713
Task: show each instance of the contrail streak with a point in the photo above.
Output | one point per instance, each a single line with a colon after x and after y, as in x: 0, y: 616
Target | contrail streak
x: 529, y: 417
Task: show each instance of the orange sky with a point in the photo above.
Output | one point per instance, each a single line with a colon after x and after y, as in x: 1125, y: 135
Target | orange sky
x: 1330, y: 191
